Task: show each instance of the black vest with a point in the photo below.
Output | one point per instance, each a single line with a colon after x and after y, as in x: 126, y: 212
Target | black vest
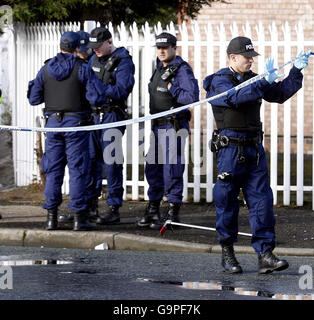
x: 104, y: 71
x: 246, y: 117
x: 65, y: 95
x: 160, y: 97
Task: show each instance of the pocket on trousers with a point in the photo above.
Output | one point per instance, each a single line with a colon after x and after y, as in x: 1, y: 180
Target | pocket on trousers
x: 81, y: 163
x: 45, y: 163
x: 265, y: 215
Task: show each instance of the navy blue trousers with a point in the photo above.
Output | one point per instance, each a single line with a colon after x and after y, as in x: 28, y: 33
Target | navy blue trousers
x: 65, y: 148
x: 165, y: 162
x: 105, y: 150
x: 254, y: 181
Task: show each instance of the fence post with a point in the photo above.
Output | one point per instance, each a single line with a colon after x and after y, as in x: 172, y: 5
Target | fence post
x: 197, y: 118
x: 300, y: 124
x: 147, y: 65
x: 274, y: 119
x: 287, y: 122
x: 185, y: 56
x: 135, y: 113
x: 209, y: 114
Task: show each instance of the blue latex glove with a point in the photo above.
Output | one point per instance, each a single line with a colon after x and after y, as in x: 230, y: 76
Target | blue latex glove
x: 302, y: 60
x: 269, y: 67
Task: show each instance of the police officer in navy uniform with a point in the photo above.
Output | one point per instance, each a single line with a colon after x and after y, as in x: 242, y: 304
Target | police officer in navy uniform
x: 84, y: 52
x: 172, y: 85
x: 64, y: 84
x: 241, y: 160
x: 114, y: 67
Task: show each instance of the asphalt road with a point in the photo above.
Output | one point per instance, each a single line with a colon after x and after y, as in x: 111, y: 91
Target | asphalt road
x: 73, y: 274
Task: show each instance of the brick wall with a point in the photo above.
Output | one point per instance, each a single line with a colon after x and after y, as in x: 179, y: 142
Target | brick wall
x: 267, y: 12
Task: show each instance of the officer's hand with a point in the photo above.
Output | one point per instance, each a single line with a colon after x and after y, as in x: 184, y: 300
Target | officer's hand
x: 169, y: 85
x: 302, y: 60
x: 269, y: 67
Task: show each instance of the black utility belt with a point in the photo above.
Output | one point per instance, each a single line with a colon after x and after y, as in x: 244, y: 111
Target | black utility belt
x: 219, y: 141
x: 104, y: 109
x: 119, y: 110
x: 85, y: 118
x: 166, y: 121
x: 241, y: 141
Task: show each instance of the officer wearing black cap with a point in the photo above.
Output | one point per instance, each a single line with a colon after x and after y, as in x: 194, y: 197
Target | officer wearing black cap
x: 114, y: 67
x: 67, y: 88
x: 241, y: 160
x: 242, y: 46
x: 172, y: 85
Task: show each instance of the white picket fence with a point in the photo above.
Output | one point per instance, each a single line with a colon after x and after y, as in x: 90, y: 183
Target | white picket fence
x: 206, y: 52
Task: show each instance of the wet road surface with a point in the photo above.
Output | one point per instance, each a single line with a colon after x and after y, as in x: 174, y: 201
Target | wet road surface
x: 46, y: 273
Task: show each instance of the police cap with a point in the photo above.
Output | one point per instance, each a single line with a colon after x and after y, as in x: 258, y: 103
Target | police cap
x: 69, y: 40
x: 98, y: 36
x: 84, y: 39
x: 243, y: 46
x: 166, y: 39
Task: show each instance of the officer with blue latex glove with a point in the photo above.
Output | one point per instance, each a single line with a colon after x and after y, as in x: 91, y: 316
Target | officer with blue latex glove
x: 241, y: 160
x: 302, y: 60
x: 269, y: 67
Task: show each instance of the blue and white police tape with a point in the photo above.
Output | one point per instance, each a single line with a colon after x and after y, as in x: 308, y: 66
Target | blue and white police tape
x: 149, y: 117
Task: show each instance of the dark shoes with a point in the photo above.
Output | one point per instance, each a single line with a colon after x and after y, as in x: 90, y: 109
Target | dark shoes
x: 91, y: 216
x: 153, y: 219
x: 172, y: 214
x: 52, y: 219
x: 93, y: 213
x: 268, y: 262
x: 151, y: 214
x: 66, y: 217
x: 229, y: 261
x: 81, y: 222
x: 112, y: 216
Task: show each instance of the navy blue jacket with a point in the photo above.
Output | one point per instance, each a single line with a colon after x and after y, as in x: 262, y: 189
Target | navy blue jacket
x: 277, y: 92
x: 59, y: 68
x: 123, y: 77
x: 184, y: 87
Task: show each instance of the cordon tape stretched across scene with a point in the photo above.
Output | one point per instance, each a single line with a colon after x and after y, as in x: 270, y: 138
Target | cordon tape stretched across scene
x: 150, y: 117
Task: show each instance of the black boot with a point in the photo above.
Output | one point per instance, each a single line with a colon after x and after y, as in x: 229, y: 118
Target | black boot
x: 228, y: 260
x: 52, y: 219
x: 112, y: 216
x: 151, y: 213
x: 93, y: 213
x: 66, y: 217
x: 81, y: 222
x: 268, y: 262
x: 172, y: 214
